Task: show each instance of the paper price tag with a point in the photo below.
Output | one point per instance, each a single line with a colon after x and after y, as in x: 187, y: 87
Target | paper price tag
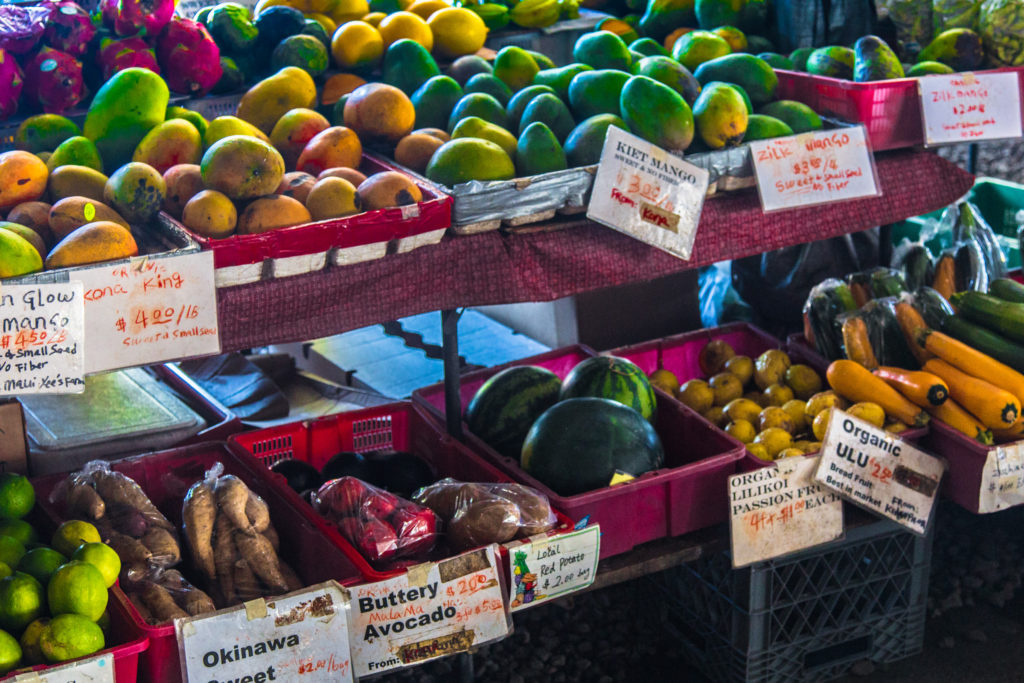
x: 644, y: 192
x: 150, y: 311
x: 431, y: 611
x: 1002, y: 478
x: 879, y: 471
x: 301, y: 633
x: 546, y: 567
x: 814, y: 168
x: 96, y: 670
x: 41, y: 339
x: 779, y: 510
x: 968, y: 107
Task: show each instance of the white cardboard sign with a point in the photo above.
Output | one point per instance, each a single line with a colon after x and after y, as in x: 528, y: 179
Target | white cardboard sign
x: 879, y: 471
x: 1002, y: 478
x: 967, y: 107
x: 301, y: 633
x: 644, y: 192
x: 779, y: 510
x: 96, y: 670
x: 544, y: 567
x: 149, y: 311
x: 42, y: 339
x: 432, y: 610
x: 814, y: 168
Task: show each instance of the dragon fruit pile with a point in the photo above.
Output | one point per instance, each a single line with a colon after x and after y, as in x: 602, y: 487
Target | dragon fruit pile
x: 53, y: 54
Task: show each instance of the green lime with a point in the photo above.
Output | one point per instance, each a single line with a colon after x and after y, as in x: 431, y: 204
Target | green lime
x: 5, y: 570
x: 41, y: 563
x: 19, y: 529
x: 72, y: 534
x: 11, y: 551
x: 68, y: 636
x: 10, y: 652
x: 22, y: 601
x: 17, y: 497
x: 101, y: 556
x: 31, y: 654
x: 77, y: 588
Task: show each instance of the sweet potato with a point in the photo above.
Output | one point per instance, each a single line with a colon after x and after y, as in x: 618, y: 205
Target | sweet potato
x: 130, y: 550
x: 260, y: 555
x: 187, y: 596
x: 224, y: 554
x: 82, y: 500
x: 140, y: 606
x: 114, y: 487
x: 163, y: 546
x: 290, y: 577
x: 271, y: 535
x: 232, y: 496
x: 257, y: 513
x: 161, y: 604
x: 247, y: 586
x: 198, y: 513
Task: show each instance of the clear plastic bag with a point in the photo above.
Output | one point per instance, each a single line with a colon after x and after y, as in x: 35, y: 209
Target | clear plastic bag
x: 1001, y: 25
x: 947, y: 14
x: 827, y: 301
x: 167, y: 595
x: 913, y: 22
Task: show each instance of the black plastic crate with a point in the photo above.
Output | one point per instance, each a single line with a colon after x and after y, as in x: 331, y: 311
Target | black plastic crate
x: 804, y: 617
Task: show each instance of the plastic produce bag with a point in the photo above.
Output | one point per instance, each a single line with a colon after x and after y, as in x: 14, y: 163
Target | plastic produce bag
x: 970, y: 225
x: 825, y: 304
x: 479, y: 514
x: 947, y: 14
x: 913, y: 22
x: 380, y: 524
x: 887, y: 340
x: 22, y: 27
x: 167, y: 595
x: 917, y: 267
x: 1001, y: 25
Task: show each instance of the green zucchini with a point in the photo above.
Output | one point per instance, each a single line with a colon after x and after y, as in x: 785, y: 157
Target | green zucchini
x: 886, y: 282
x: 1007, y: 290
x: 986, y: 341
x: 918, y: 269
x: 932, y: 306
x: 997, y: 315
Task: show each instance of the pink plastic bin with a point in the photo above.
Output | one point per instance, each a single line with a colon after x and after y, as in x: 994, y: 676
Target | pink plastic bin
x: 165, y: 477
x: 688, y: 494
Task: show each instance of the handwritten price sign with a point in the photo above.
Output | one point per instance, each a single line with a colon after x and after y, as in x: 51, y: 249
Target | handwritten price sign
x: 149, y: 311
x: 814, y: 168
x: 41, y: 339
x: 1002, y: 478
x: 546, y: 567
x: 968, y: 107
x: 645, y: 192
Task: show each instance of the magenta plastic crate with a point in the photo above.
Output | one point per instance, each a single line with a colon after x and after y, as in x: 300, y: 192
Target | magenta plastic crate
x: 401, y: 426
x: 689, y: 493
x: 965, y: 459
x: 220, y: 421
x: 165, y: 477
x: 890, y: 110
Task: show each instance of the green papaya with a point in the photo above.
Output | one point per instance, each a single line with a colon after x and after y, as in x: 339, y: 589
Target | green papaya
x: 835, y: 61
x: 551, y: 111
x: 602, y: 50
x: 596, y: 92
x: 760, y: 127
x: 874, y: 60
x: 538, y: 151
x: 797, y: 115
x: 751, y: 73
x: 928, y: 69
x: 585, y: 142
x: 657, y: 113
x: 958, y: 48
x: 408, y: 65
x: 478, y: 104
x: 714, y: 13
x: 515, y: 67
x: 490, y: 84
x: 661, y: 17
x: 559, y: 79
x: 516, y: 105
x: 435, y: 100
x: 673, y: 74
x: 130, y: 103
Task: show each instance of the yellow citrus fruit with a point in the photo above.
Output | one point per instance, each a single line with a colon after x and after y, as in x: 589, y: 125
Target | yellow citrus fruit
x: 741, y: 430
x: 31, y: 654
x: 795, y: 409
x: 16, y: 496
x: 777, y: 395
x: 19, y: 529
x: 758, y: 451
x: 356, y: 45
x: 697, y: 394
x: 789, y: 453
x: 424, y: 8
x: 10, y: 653
x: 803, y: 380
x: 743, y: 409
x: 41, y: 563
x: 823, y: 400
x: 665, y: 380
x: 72, y: 534
x: 400, y: 25
x: 713, y: 356
x: 774, y: 416
x: 22, y: 601
x: 68, y: 636
x: 742, y: 367
x: 77, y: 588
x: 820, y: 424
x: 775, y: 440
x: 716, y: 416
x: 726, y: 387
x: 869, y: 412
x: 457, y: 31
x: 101, y: 556
x: 374, y: 18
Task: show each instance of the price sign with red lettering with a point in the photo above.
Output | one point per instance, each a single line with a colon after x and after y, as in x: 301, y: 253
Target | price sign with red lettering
x: 430, y: 611
x: 645, y: 192
x: 150, y: 310
x: 814, y: 168
x: 879, y: 471
x: 42, y: 339
x: 967, y: 107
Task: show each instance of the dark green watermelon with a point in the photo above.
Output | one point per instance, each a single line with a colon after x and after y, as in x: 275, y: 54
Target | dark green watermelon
x: 611, y: 377
x: 506, y: 405
x: 578, y: 444
x: 275, y: 24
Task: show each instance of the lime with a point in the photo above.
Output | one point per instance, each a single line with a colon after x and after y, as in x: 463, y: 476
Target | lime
x: 11, y: 551
x: 41, y: 563
x: 101, y: 556
x: 31, y: 653
x: 16, y: 496
x: 19, y: 529
x: 68, y: 636
x: 22, y: 601
x: 5, y: 570
x: 10, y: 653
x: 72, y: 534
x: 77, y: 588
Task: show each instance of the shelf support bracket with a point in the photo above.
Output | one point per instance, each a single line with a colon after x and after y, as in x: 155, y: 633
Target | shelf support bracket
x: 450, y: 356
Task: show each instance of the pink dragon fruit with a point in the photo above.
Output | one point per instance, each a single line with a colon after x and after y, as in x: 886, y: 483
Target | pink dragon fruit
x: 22, y: 27
x: 189, y: 57
x: 115, y: 55
x: 70, y: 27
x: 129, y: 17
x: 11, y: 80
x: 53, y: 81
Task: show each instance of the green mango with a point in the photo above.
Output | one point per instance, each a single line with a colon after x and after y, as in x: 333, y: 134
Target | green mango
x: 435, y: 100
x: 231, y: 28
x: 465, y: 159
x: 408, y: 65
x: 761, y: 127
x: 929, y: 68
x: 542, y: 60
x: 492, y: 85
x: 232, y: 78
x: 620, y: 28
x: 44, y: 132
x: 465, y: 67
x: 596, y: 92
x: 696, y: 47
x: 337, y: 116
x: 193, y: 117
x: 476, y: 127
x: 602, y: 50
x: 551, y: 111
x: 835, y: 61
x: 515, y: 67
x: 747, y: 71
x: 957, y: 48
x: 316, y: 29
x: 76, y: 151
x: 799, y: 58
x: 797, y: 115
x: 738, y: 88
x: 714, y: 13
x: 478, y: 104
x: 538, y: 151
x: 648, y: 48
x: 585, y: 142
x: 874, y: 60
x: 657, y: 113
x: 128, y: 105
x: 664, y: 16
x: 721, y: 116
x: 560, y: 78
x: 777, y: 61
x: 673, y: 74
x: 516, y: 106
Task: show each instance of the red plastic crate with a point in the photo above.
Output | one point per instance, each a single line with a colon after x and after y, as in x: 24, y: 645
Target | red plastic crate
x: 221, y: 422
x: 165, y: 477
x: 686, y: 495
x: 401, y: 426
x: 890, y: 110
x: 965, y: 460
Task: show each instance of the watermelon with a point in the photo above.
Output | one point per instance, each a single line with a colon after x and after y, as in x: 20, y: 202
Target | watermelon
x: 506, y: 405
x: 611, y: 377
x: 578, y: 444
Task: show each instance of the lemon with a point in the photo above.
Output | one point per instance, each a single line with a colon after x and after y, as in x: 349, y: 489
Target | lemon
x: 72, y: 534
x: 770, y: 368
x: 101, y: 556
x: 716, y: 416
x: 400, y: 25
x: 77, y: 588
x: 789, y: 453
x: 19, y: 529
x: 10, y: 653
x: 11, y: 551
x: 31, y: 654
x: 758, y: 451
x: 349, y: 10
x: 803, y: 380
x: 41, y: 563
x: 823, y: 400
x: 742, y: 367
x: 742, y: 409
x: 774, y: 416
x: 374, y: 18
x: 777, y: 395
x: 22, y: 601
x: 457, y: 31
x: 713, y: 356
x: 774, y: 440
x: 68, y: 636
x: 741, y: 430
x: 356, y: 45
x: 820, y: 424
x: 424, y: 8
x: 869, y: 412
x: 16, y: 496
x: 665, y: 380
x: 726, y: 387
x: 698, y: 395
